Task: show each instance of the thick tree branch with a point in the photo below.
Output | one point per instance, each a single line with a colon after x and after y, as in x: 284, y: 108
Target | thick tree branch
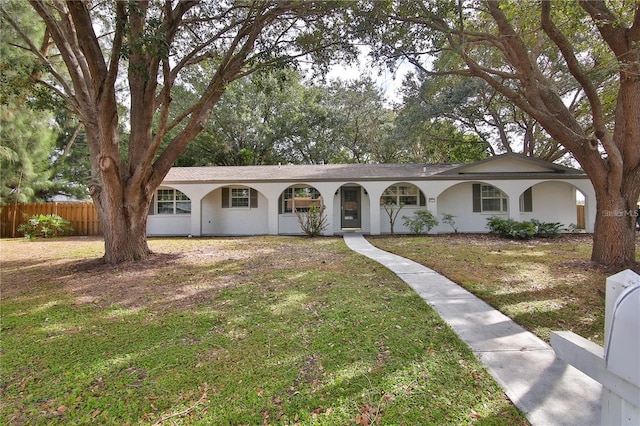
x: 613, y: 34
x: 539, y: 99
x: 64, y: 35
x: 582, y: 78
x: 88, y: 43
x: 229, y: 68
x: 68, y: 95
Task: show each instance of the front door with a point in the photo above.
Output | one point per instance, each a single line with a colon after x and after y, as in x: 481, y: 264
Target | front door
x: 351, y: 207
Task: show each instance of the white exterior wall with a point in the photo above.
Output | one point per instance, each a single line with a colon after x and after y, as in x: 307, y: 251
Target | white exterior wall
x: 288, y: 224
x: 398, y: 226
x: 458, y: 201
x: 217, y: 220
x: 169, y: 225
x: 553, y: 201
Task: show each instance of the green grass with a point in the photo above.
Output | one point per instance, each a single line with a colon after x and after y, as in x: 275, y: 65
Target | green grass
x: 266, y: 330
x: 544, y: 284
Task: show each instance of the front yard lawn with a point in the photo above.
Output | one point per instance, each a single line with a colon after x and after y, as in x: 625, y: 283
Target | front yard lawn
x: 261, y: 330
x: 542, y: 284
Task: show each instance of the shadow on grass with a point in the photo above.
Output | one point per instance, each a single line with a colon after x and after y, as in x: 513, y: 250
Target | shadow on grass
x: 282, y: 336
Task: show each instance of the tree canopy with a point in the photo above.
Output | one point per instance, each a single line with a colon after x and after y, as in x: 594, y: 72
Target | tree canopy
x: 93, y: 51
x: 573, y: 67
x: 570, y: 68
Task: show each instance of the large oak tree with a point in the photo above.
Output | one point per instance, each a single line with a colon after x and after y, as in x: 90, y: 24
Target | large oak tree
x: 99, y: 53
x: 519, y: 48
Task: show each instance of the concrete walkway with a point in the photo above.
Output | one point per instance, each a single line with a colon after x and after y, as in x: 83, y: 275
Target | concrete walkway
x: 547, y: 390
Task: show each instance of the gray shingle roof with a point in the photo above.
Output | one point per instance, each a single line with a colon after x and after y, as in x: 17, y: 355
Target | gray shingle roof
x: 364, y: 172
x: 309, y: 173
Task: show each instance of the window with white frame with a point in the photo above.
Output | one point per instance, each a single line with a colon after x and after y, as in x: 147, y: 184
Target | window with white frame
x: 172, y: 201
x: 401, y: 195
x: 239, y: 197
x: 488, y: 198
x: 300, y: 199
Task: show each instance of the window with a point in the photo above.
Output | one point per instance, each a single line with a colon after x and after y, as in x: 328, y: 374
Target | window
x: 300, y: 199
x: 402, y: 195
x: 172, y: 201
x: 488, y: 198
x: 239, y: 197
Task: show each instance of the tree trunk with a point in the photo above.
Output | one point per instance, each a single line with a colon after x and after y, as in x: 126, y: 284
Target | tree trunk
x: 124, y: 223
x: 121, y: 200
x: 614, y: 238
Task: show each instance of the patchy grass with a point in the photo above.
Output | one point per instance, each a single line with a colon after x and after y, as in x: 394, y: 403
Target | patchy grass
x: 543, y: 284
x: 261, y: 330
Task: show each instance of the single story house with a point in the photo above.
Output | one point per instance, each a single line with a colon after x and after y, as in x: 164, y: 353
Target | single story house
x: 254, y: 200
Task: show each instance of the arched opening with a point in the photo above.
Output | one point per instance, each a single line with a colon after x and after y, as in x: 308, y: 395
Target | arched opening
x: 296, y: 199
x: 234, y: 210
x: 556, y: 202
x: 399, y: 200
x: 299, y: 198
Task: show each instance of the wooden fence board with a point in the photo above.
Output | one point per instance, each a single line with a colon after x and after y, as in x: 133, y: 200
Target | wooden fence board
x: 581, y: 218
x: 82, y: 215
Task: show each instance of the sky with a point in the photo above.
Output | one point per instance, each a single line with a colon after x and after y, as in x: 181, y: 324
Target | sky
x: 389, y: 82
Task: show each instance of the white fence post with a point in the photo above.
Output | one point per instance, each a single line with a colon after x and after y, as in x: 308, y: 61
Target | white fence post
x: 617, y: 365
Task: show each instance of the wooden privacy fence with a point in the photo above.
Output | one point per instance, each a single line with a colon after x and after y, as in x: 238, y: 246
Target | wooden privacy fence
x: 82, y: 215
x: 581, y: 221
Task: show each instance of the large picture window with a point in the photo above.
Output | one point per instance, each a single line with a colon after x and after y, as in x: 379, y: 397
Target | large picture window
x: 401, y: 195
x: 300, y: 199
x: 172, y: 201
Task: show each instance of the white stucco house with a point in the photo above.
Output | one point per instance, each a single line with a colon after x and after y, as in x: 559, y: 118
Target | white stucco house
x: 255, y: 200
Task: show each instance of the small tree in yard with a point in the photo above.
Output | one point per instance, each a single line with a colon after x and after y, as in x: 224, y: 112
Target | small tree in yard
x: 392, y: 210
x: 449, y: 219
x: 314, y: 221
x: 91, y: 51
x: 422, y: 220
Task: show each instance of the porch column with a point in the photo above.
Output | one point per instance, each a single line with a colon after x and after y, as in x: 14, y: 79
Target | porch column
x: 374, y: 208
x: 328, y: 213
x: 272, y: 214
x: 272, y: 194
x: 196, y: 217
x: 513, y: 203
x: 432, y: 206
x: 590, y: 210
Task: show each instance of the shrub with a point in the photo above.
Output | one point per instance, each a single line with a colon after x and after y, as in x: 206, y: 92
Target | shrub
x: 448, y: 218
x: 572, y: 228
x: 312, y: 222
x: 422, y: 220
x: 547, y: 229
x: 509, y: 228
x: 50, y: 225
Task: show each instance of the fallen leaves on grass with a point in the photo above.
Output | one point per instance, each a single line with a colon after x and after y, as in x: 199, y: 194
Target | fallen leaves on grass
x: 183, y: 413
